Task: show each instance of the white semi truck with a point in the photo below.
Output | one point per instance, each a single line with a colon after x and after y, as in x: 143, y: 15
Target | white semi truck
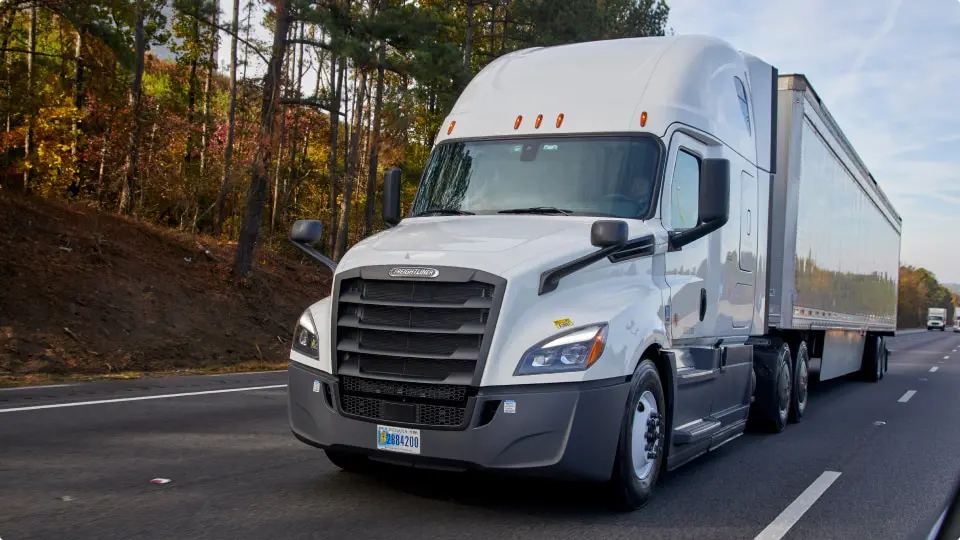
x: 619, y: 253
x: 937, y: 319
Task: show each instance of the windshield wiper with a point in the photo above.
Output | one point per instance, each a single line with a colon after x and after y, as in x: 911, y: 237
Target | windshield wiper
x: 537, y: 210
x: 443, y: 212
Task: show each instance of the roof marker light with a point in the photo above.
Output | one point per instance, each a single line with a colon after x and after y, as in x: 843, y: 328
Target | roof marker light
x: 559, y: 119
x: 450, y: 129
x: 643, y: 119
x: 539, y: 120
x: 516, y: 123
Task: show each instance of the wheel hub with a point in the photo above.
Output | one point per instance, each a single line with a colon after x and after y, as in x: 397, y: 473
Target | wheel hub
x: 647, y: 436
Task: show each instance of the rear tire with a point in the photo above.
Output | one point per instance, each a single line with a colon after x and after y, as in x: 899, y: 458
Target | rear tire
x: 349, y: 462
x: 872, y: 367
x: 801, y: 381
x: 636, y: 468
x: 770, y: 410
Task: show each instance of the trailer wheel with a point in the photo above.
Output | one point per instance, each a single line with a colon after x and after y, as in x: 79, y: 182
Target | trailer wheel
x: 801, y: 381
x: 771, y: 408
x: 641, y: 449
x: 348, y: 461
x: 872, y: 367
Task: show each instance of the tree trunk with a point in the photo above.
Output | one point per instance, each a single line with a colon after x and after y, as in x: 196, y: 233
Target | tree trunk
x: 257, y: 194
x: 295, y: 136
x: 336, y: 82
x: 468, y: 35
x: 78, y: 93
x: 374, y: 152
x: 207, y: 90
x: 28, y: 142
x: 231, y: 123
x: 351, y: 169
x: 139, y: 37
x: 193, y: 82
x: 10, y: 15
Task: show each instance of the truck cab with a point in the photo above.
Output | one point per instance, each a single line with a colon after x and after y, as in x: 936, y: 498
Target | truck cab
x: 937, y: 319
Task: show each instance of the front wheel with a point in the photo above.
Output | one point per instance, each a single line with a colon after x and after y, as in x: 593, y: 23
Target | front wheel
x: 641, y: 449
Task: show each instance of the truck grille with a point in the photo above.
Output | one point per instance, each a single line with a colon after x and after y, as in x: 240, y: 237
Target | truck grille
x: 407, y: 350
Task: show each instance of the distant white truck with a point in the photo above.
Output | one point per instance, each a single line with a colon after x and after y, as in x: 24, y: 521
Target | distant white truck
x: 618, y: 253
x: 937, y: 319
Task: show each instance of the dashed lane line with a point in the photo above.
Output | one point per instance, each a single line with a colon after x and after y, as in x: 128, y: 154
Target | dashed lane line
x: 906, y: 396
x: 792, y: 514
x: 934, y: 369
x: 141, y: 398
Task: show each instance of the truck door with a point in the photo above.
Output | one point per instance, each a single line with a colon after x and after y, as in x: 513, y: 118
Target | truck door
x: 687, y: 270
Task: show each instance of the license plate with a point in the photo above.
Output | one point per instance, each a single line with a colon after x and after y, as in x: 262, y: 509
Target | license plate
x: 394, y: 439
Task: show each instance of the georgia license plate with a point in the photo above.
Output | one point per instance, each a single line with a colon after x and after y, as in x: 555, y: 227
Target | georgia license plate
x: 396, y: 439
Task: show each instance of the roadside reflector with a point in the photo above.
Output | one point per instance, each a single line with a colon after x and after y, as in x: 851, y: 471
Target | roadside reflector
x: 537, y: 123
x: 643, y: 119
x: 450, y: 129
x: 559, y: 119
x: 516, y: 124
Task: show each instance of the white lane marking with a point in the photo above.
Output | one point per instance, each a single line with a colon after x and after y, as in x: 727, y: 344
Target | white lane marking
x: 934, y: 369
x: 906, y: 396
x: 39, y: 387
x: 946, y: 357
x: 141, y: 398
x: 791, y: 514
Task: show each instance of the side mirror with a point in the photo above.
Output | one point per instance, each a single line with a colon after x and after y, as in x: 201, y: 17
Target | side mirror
x: 714, y: 203
x: 306, y: 234
x: 714, y: 191
x: 609, y: 233
x: 391, y: 197
x: 307, y: 231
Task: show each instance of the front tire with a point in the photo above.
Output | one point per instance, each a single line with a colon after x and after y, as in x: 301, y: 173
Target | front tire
x: 641, y: 449
x: 801, y: 381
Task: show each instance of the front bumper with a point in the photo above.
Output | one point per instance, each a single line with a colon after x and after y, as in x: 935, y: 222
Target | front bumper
x: 558, y: 430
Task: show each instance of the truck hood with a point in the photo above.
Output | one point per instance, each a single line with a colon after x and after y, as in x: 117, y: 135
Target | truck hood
x: 494, y: 244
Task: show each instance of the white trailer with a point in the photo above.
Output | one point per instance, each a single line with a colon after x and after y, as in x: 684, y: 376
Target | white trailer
x: 620, y: 252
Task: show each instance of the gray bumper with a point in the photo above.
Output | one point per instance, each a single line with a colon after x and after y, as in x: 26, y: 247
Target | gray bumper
x: 557, y: 430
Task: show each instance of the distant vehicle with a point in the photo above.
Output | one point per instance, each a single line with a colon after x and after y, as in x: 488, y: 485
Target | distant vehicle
x: 956, y: 320
x: 619, y: 252
x: 937, y: 319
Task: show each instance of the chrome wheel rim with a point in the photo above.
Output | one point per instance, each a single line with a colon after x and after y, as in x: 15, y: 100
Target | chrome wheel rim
x: 646, y: 437
x: 802, y: 382
x: 783, y: 391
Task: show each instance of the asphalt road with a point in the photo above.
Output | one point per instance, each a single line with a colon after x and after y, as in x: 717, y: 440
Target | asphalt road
x: 235, y: 470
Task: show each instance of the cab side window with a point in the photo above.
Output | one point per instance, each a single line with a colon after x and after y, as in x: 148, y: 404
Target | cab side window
x: 685, y: 192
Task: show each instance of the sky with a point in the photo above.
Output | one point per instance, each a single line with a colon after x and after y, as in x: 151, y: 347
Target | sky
x: 888, y: 71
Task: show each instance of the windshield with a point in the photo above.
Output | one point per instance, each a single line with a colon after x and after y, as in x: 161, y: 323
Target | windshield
x: 608, y: 176
x: 936, y: 318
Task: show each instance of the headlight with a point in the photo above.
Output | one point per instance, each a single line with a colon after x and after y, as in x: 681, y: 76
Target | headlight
x: 573, y: 351
x: 305, y: 336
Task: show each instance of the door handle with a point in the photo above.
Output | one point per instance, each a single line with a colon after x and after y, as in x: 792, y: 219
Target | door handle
x: 703, y: 303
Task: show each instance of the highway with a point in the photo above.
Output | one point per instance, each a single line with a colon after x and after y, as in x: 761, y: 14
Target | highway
x: 74, y: 469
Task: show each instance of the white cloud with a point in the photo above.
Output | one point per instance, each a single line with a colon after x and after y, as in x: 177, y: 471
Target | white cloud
x: 887, y: 71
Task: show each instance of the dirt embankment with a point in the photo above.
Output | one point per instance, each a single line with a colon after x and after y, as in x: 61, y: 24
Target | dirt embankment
x: 84, y: 293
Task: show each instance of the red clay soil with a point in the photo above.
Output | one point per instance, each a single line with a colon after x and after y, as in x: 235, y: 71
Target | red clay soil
x: 90, y: 293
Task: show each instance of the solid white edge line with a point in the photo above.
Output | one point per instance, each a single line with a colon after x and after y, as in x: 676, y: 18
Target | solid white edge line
x: 141, y: 398
x: 791, y: 514
x: 934, y: 369
x: 906, y: 396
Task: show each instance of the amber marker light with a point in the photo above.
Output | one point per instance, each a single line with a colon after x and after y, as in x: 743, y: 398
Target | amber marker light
x: 643, y: 119
x: 559, y: 119
x: 516, y: 123
x: 539, y: 120
x: 450, y: 128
